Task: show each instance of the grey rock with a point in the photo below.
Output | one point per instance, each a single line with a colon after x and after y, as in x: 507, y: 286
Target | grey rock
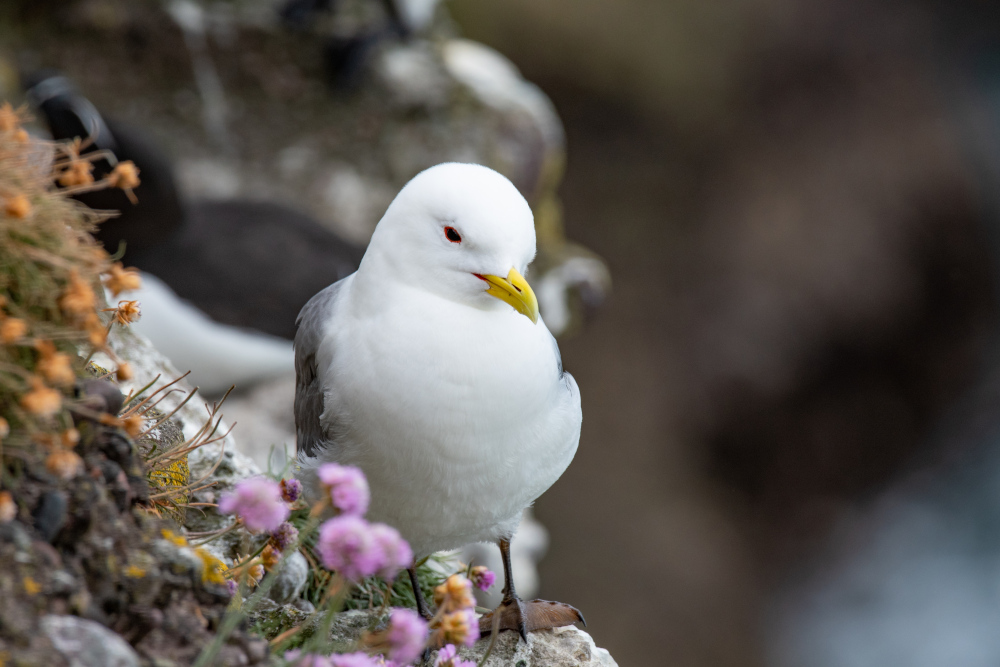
x: 87, y: 643
x: 305, y: 606
x: 560, y: 647
x: 290, y: 578
x: 50, y: 515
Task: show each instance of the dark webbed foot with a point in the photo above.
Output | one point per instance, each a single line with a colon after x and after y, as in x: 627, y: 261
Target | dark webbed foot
x: 528, y: 616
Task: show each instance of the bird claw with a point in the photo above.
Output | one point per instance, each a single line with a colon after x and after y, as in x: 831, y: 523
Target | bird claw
x: 531, y: 615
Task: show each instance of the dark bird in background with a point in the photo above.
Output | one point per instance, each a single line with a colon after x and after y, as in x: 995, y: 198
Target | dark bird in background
x: 243, y: 263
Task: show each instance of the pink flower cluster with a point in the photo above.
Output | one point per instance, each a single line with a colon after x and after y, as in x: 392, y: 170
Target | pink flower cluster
x: 347, y: 543
x: 347, y: 487
x: 357, y: 549
x: 258, y: 502
x: 297, y: 659
x: 448, y: 657
x: 407, y: 635
x: 482, y: 577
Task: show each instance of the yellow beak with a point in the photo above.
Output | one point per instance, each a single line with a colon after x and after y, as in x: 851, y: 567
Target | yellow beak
x: 514, y: 290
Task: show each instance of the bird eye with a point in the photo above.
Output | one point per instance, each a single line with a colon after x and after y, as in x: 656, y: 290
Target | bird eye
x: 452, y: 235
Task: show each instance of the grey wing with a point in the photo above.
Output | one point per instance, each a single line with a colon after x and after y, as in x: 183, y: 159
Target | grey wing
x: 311, y: 322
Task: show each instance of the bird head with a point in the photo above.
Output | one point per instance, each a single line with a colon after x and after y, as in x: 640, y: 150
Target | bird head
x: 463, y: 232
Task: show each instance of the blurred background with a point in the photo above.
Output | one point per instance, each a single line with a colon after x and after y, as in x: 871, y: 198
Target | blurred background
x: 769, y: 237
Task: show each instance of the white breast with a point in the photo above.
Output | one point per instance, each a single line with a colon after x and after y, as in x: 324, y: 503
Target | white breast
x: 460, y: 418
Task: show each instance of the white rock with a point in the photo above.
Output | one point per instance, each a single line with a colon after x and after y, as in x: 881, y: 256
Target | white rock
x: 291, y: 579
x: 87, y: 643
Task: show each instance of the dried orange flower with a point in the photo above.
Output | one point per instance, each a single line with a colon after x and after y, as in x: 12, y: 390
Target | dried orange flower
x: 4, y: 428
x: 126, y: 313
x: 9, y: 120
x: 54, y: 366
x: 455, y: 593
x: 269, y: 557
x: 78, y: 299
x: 17, y: 206
x: 64, y: 464
x: 457, y: 627
x: 70, y: 437
x: 121, y: 280
x: 125, y: 176
x: 97, y: 333
x: 256, y: 573
x: 8, y: 510
x: 77, y: 173
x: 133, y: 425
x: 12, y: 329
x: 41, y: 400
x: 124, y: 371
x: 21, y: 136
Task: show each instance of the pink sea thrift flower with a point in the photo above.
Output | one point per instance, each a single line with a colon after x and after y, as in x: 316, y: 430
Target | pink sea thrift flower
x: 291, y: 490
x: 448, y: 657
x: 347, y: 486
x: 482, y: 577
x: 353, y: 660
x: 407, y: 635
x: 285, y: 536
x: 296, y: 659
x: 398, y: 555
x: 258, y: 502
x: 346, y: 544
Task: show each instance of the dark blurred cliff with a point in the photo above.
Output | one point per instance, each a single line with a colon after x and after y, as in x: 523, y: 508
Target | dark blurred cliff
x: 794, y: 199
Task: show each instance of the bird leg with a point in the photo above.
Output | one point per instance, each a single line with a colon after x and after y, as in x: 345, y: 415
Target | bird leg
x: 525, y: 617
x: 418, y: 594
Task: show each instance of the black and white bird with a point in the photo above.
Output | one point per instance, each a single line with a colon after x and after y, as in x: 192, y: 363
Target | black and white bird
x: 230, y: 276
x: 431, y: 370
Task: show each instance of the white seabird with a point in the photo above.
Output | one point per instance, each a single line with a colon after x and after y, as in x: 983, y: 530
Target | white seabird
x: 430, y: 369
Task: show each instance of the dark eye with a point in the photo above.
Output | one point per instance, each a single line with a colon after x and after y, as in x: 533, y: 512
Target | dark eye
x: 452, y: 235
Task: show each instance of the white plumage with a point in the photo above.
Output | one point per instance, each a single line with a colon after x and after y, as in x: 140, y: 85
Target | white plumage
x: 453, y: 403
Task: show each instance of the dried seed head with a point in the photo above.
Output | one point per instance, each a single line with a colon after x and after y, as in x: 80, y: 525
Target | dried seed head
x: 70, y: 437
x: 4, y: 428
x: 269, y: 557
x: 9, y: 118
x: 21, y: 136
x: 64, y: 464
x: 97, y: 333
x: 78, y: 300
x: 127, y: 312
x: 121, y: 280
x: 8, y: 510
x: 125, y: 176
x: 55, y: 367
x: 12, y: 329
x: 41, y: 401
x: 133, y: 425
x: 76, y: 173
x: 17, y: 206
x: 455, y: 593
x: 124, y: 371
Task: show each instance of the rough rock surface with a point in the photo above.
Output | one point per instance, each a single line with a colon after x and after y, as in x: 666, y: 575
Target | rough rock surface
x: 562, y: 647
x: 88, y: 644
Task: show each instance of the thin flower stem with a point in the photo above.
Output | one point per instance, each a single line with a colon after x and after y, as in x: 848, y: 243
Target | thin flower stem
x: 233, y: 616
x: 494, y: 631
x: 172, y: 412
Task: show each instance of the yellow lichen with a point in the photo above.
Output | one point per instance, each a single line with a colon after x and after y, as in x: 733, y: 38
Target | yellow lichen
x: 135, y: 572
x: 213, y: 570
x: 31, y: 587
x: 171, y: 536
